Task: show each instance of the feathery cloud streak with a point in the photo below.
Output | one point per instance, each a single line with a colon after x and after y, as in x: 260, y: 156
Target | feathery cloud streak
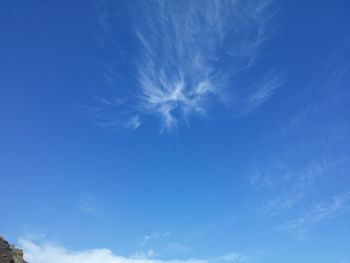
x: 303, y: 179
x: 336, y: 206
x: 191, y: 53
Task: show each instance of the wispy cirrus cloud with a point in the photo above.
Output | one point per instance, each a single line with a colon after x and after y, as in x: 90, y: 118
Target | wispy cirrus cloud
x: 285, y: 187
x: 302, y: 179
x: 190, y: 57
x: 89, y: 204
x: 337, y: 205
x: 297, y: 198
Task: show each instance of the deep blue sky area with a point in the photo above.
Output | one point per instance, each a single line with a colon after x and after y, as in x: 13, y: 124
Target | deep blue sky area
x: 206, y: 131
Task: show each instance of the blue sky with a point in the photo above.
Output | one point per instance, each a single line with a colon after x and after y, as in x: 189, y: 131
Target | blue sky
x: 176, y: 131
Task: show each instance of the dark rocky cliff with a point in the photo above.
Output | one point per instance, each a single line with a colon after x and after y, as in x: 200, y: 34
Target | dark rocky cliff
x: 9, y: 253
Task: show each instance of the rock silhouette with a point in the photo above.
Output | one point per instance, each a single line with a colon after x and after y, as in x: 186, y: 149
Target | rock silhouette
x: 9, y: 253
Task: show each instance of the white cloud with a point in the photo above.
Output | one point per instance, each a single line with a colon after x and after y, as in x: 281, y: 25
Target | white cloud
x: 47, y: 252
x: 233, y: 258
x: 190, y: 54
x: 154, y: 235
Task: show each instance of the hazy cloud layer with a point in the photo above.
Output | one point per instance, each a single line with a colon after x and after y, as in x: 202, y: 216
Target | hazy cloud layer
x: 89, y: 204
x: 47, y: 252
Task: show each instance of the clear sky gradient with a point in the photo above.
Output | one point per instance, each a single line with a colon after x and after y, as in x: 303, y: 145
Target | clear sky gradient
x: 197, y: 131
